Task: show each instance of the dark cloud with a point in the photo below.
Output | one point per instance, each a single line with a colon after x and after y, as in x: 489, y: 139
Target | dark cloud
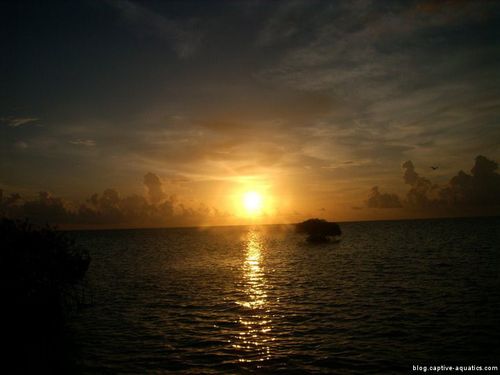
x: 402, y: 70
x: 110, y: 209
x: 383, y: 200
x: 44, y: 208
x: 183, y: 36
x: 154, y: 188
x: 479, y: 189
x: 14, y: 122
x: 422, y: 193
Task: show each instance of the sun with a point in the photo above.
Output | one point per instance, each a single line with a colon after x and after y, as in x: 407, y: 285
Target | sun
x: 252, y: 202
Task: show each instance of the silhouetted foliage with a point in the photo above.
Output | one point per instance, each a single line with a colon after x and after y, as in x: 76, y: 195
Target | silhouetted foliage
x: 41, y: 278
x: 318, y: 230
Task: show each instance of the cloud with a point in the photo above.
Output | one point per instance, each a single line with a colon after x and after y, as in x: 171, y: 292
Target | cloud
x: 83, y: 142
x: 288, y: 20
x: 479, y: 189
x: 383, y: 200
x: 154, y: 188
x: 422, y: 194
x: 15, y: 122
x: 110, y: 209
x: 402, y: 70
x: 21, y: 145
x: 183, y: 36
x: 44, y: 208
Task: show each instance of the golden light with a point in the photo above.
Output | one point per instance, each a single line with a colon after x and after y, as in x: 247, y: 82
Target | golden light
x: 255, y: 337
x: 252, y: 201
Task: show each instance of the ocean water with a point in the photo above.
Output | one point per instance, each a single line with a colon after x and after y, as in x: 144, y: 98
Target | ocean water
x: 388, y: 296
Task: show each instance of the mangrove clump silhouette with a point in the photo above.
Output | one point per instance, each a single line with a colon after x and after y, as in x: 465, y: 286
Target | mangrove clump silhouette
x: 318, y: 230
x: 42, y: 280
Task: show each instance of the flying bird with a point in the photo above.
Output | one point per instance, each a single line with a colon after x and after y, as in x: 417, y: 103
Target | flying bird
x: 434, y: 167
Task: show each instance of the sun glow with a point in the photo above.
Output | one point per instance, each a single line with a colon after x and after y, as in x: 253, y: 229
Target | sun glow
x: 252, y: 202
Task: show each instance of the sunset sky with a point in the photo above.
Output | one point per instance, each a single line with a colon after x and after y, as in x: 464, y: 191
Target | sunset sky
x: 172, y: 111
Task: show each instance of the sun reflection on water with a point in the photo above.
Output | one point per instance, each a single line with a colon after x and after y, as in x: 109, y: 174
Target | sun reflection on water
x: 255, y: 334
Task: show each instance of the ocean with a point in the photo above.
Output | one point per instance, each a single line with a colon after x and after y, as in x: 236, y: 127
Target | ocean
x: 260, y: 299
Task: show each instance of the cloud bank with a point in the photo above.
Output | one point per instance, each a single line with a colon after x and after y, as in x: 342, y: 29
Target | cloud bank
x: 110, y: 209
x: 479, y: 189
x: 382, y: 200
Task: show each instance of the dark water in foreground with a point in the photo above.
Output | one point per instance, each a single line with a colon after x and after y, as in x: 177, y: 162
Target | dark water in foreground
x: 260, y: 300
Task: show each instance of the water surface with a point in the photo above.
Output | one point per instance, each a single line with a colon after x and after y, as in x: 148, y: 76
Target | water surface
x: 388, y: 296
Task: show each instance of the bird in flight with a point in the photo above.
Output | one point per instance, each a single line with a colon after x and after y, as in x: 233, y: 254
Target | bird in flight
x: 434, y: 167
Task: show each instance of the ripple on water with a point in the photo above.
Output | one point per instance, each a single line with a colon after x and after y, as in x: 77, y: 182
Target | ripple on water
x: 260, y: 299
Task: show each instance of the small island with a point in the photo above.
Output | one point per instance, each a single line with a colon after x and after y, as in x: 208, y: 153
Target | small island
x: 318, y: 230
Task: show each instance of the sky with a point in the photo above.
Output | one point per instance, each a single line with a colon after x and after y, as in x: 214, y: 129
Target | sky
x: 123, y: 113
